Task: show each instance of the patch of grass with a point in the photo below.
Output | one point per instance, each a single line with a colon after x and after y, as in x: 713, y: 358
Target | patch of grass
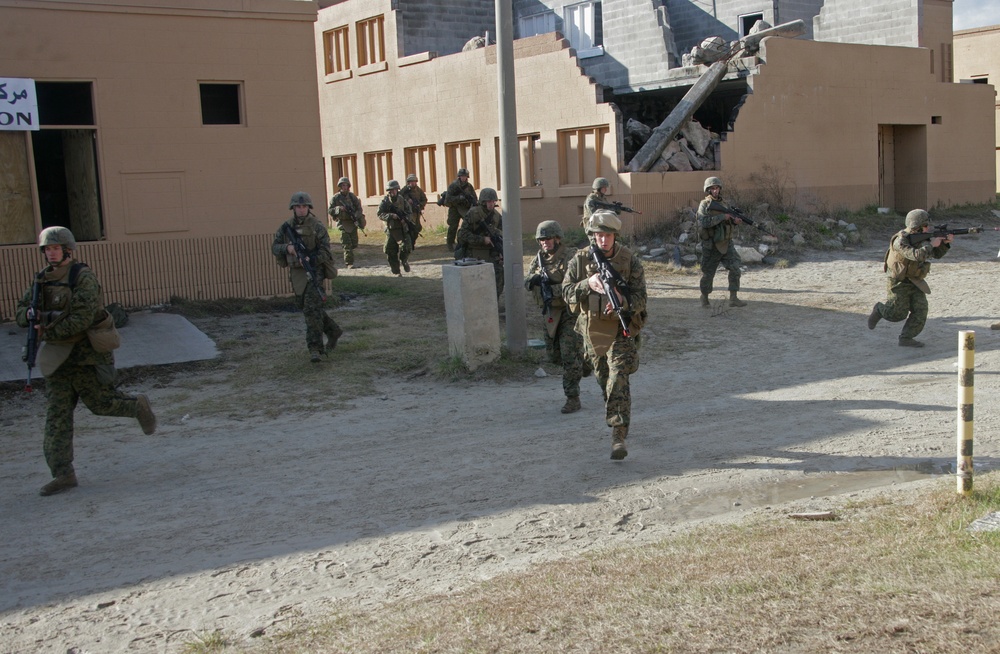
x: 215, y: 641
x: 897, y: 573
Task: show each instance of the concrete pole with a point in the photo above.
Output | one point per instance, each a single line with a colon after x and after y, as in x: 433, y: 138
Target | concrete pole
x: 513, y: 247
x: 966, y: 368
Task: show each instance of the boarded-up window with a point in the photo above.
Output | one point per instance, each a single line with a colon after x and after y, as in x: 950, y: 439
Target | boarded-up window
x: 422, y: 161
x: 344, y: 165
x: 527, y: 145
x: 371, y: 41
x: 462, y: 154
x: 378, y: 172
x: 580, y: 152
x: 336, y: 53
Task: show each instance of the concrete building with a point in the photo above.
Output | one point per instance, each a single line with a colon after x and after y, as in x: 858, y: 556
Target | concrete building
x: 977, y: 61
x: 172, y: 135
x: 863, y: 118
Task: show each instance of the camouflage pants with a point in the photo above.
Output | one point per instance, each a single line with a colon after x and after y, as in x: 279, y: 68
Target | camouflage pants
x: 318, y: 321
x: 566, y: 348
x: 710, y: 260
x: 612, y: 371
x: 454, y: 218
x: 65, y: 388
x: 905, y: 301
x: 350, y: 242
x: 397, y: 251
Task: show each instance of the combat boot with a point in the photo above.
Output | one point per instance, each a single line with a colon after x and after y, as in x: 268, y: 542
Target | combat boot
x: 874, y: 317
x: 909, y: 342
x: 618, y: 450
x: 332, y: 337
x: 735, y: 301
x: 315, y: 356
x: 145, y: 416
x: 572, y: 404
x: 406, y: 266
x: 704, y: 301
x: 59, y: 484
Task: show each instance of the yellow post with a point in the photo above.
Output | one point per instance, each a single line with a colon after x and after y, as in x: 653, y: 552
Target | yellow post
x: 966, y: 367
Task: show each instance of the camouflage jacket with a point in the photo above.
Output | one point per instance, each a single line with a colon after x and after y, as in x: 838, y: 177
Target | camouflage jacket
x: 416, y: 197
x: 904, y: 262
x: 460, y: 197
x: 581, y: 299
x: 387, y: 213
x: 556, y: 265
x: 477, y: 225
x: 346, y: 211
x: 68, y: 311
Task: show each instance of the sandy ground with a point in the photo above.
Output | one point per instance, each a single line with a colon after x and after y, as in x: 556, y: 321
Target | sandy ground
x: 251, y: 526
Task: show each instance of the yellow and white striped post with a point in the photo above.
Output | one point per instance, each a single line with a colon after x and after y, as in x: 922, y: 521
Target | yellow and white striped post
x: 966, y: 368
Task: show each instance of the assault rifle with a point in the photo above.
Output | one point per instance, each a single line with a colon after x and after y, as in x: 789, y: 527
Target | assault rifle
x: 715, y: 205
x: 402, y: 215
x: 34, y: 315
x: 617, y: 207
x: 496, y: 237
x: 305, y: 259
x: 941, y: 231
x: 612, y: 280
x: 545, y: 285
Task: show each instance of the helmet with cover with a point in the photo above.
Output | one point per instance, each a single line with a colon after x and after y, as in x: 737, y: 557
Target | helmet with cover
x: 712, y: 181
x: 463, y: 172
x: 57, y: 236
x: 488, y: 195
x: 604, y: 221
x: 599, y: 183
x: 342, y: 181
x: 300, y: 198
x: 411, y: 177
x: 548, y: 229
x: 393, y: 184
x: 917, y: 219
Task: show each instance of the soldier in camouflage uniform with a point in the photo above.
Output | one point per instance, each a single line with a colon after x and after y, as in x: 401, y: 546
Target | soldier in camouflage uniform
x: 316, y: 239
x: 599, y: 193
x: 459, y: 198
x: 906, y: 267
x: 716, y: 245
x: 612, y: 355
x: 415, y: 195
x: 394, y: 211
x: 563, y: 343
x: 346, y: 211
x: 71, y: 301
x: 478, y: 237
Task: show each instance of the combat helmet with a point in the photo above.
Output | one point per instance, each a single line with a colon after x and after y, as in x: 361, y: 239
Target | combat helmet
x: 56, y: 236
x: 548, y: 229
x: 599, y: 183
x: 300, y: 198
x: 393, y: 184
x: 917, y: 219
x: 712, y: 181
x: 343, y: 180
x: 463, y: 172
x: 604, y: 221
x: 411, y: 177
x: 488, y: 195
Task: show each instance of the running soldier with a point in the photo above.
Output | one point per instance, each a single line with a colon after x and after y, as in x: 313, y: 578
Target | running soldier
x: 346, y: 211
x: 415, y: 195
x: 394, y: 211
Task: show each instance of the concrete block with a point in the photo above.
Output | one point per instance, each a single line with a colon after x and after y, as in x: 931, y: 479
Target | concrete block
x: 471, y: 312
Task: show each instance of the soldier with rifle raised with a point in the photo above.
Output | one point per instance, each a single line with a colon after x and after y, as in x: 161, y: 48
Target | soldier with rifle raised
x: 459, y: 198
x: 394, y: 211
x: 716, y: 221
x: 302, y: 245
x: 563, y: 344
x: 907, y: 264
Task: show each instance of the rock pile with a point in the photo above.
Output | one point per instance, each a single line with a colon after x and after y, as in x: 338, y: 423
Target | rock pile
x: 695, y: 147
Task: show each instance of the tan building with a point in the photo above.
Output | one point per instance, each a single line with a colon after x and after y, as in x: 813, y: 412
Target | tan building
x: 845, y: 124
x: 977, y: 61
x: 172, y: 135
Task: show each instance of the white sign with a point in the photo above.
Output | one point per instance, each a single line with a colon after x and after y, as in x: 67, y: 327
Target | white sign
x: 18, y: 104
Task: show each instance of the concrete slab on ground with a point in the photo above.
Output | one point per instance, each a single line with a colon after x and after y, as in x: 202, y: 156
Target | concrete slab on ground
x: 149, y: 339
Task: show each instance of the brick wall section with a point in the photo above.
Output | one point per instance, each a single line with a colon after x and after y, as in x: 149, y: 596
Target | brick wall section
x: 442, y: 26
x: 890, y: 22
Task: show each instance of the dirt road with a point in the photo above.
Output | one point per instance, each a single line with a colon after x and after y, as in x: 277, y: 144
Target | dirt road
x: 248, y: 525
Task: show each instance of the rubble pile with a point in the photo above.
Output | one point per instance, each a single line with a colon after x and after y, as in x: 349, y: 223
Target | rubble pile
x: 694, y: 148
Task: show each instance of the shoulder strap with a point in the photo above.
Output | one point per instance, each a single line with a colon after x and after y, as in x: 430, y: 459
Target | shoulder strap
x: 74, y: 272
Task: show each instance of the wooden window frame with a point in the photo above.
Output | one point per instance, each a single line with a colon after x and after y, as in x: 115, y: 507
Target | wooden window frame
x: 574, y: 170
x: 378, y: 172
x: 422, y: 161
x: 371, y: 40
x: 336, y: 50
x: 462, y: 154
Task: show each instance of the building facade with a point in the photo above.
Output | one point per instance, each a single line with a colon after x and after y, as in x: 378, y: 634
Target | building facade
x: 171, y: 136
x: 977, y: 61
x: 845, y: 124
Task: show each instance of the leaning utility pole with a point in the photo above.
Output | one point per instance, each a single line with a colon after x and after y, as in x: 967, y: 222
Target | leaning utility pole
x: 697, y: 94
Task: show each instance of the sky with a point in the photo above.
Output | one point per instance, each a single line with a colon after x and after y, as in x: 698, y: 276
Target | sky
x: 967, y: 14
